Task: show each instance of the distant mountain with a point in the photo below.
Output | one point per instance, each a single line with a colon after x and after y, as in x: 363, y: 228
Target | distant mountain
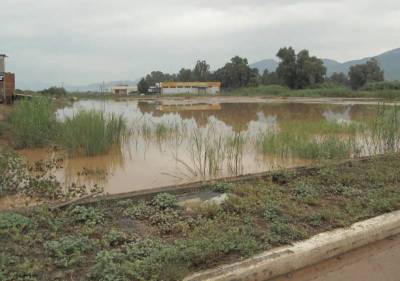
x: 95, y: 87
x: 261, y: 65
x: 389, y: 62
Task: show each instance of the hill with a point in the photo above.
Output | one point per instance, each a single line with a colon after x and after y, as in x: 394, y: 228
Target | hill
x: 389, y: 61
x: 95, y: 87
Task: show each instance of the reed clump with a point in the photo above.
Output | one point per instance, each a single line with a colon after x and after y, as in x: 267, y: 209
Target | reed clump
x: 383, y: 131
x: 311, y: 140
x: 32, y: 123
x: 90, y: 133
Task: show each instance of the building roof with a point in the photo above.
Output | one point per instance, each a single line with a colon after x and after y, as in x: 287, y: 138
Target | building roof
x: 3, y: 55
x: 189, y: 84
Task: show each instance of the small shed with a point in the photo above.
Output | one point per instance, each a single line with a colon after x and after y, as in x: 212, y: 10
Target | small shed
x: 194, y: 88
x: 124, y: 90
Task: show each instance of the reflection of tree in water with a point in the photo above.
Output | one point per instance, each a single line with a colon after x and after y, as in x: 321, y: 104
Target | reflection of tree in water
x: 239, y: 115
x: 169, y: 134
x: 338, y: 117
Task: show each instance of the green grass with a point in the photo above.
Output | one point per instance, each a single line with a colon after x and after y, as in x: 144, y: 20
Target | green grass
x: 92, y: 133
x: 382, y: 133
x: 33, y: 123
x: 160, y: 240
x: 378, y: 134
x: 311, y: 140
x: 287, y: 144
x: 331, y: 91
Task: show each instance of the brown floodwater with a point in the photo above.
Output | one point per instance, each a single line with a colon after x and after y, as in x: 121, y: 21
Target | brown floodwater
x: 148, y: 160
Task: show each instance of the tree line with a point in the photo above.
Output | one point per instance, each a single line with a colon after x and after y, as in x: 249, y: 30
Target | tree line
x: 296, y: 71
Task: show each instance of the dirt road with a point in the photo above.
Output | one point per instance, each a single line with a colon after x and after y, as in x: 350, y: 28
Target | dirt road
x: 376, y: 262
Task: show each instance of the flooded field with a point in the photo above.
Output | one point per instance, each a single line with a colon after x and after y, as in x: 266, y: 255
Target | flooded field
x: 179, y: 141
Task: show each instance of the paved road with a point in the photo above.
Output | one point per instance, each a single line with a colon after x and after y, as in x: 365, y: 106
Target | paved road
x: 376, y: 262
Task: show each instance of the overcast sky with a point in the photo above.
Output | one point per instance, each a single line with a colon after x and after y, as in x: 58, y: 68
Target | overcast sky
x: 84, y: 41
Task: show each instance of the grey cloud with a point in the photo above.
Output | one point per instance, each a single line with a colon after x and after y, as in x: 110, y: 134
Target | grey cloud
x: 83, y: 41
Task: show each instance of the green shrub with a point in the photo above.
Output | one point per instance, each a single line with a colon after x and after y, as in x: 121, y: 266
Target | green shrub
x: 384, y: 85
x: 68, y: 250
x: 141, y: 210
x: 281, y: 232
x: 13, y: 223
x: 164, y: 200
x: 165, y: 220
x: 87, y: 215
x: 33, y: 123
x: 92, y: 133
x: 273, y: 212
x: 208, y: 209
x: 12, y: 171
x: 107, y: 266
x: 222, y: 187
x: 116, y: 238
x: 24, y: 270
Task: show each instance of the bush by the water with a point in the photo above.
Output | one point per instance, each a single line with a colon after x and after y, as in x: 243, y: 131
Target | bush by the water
x: 385, y: 85
x: 92, y: 132
x: 33, y: 123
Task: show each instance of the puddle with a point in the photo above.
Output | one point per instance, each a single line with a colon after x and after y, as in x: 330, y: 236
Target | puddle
x: 164, y: 157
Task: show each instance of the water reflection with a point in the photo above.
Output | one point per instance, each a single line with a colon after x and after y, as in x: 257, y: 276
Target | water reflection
x: 162, y: 149
x: 342, y: 117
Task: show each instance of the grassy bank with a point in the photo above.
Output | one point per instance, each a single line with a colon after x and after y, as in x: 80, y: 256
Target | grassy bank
x: 321, y: 140
x: 92, y: 133
x: 331, y: 92
x: 158, y: 240
x: 33, y: 123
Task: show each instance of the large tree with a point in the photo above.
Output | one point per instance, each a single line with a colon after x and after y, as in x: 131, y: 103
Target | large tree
x: 339, y: 78
x: 184, y: 75
x: 270, y: 78
x: 287, y: 68
x: 201, y: 71
x: 299, y: 71
x: 361, y: 74
x: 237, y: 73
x: 143, y: 86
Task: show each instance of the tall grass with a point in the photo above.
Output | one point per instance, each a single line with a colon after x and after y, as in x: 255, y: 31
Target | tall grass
x: 90, y: 133
x: 383, y: 132
x: 329, y: 140
x: 33, y: 123
x: 311, y: 140
x: 372, y: 91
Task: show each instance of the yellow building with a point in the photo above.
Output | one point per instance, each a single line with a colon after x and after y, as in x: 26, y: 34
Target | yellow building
x: 195, y: 88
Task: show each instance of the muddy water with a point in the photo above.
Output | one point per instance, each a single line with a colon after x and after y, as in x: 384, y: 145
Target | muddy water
x: 148, y: 162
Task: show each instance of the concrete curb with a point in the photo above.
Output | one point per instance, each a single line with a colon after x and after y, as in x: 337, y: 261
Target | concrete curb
x: 316, y: 249
x: 207, y: 184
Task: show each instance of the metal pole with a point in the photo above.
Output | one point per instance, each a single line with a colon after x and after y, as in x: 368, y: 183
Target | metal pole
x: 4, y: 80
x: 4, y: 88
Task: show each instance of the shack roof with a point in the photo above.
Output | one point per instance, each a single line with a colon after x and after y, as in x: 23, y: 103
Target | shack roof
x: 189, y: 84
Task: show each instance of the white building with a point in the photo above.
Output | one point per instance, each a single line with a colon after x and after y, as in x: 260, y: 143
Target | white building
x: 194, y: 88
x: 124, y: 90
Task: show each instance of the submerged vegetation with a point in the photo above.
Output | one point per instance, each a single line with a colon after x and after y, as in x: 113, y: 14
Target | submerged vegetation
x: 35, y: 181
x: 211, y: 149
x: 334, y: 140
x: 33, y: 123
x: 92, y: 133
x: 163, y: 240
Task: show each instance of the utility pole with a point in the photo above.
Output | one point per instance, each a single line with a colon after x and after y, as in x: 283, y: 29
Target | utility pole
x: 3, y: 75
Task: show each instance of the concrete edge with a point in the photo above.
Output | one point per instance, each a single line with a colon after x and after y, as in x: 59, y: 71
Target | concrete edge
x: 207, y: 184
x: 320, y: 247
